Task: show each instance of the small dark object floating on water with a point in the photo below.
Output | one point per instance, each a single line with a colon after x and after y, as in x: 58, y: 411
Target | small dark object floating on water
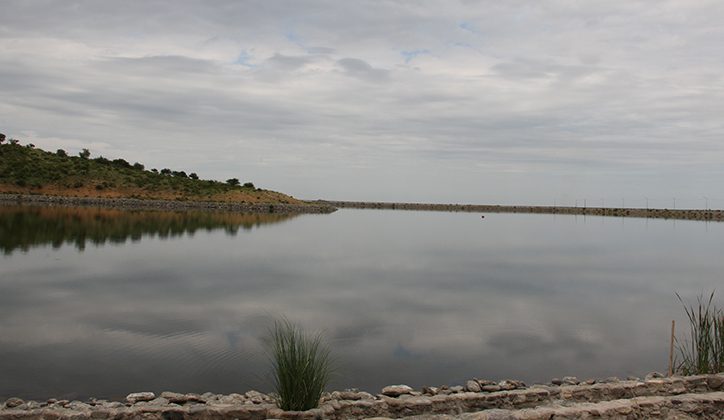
x: 482, y: 217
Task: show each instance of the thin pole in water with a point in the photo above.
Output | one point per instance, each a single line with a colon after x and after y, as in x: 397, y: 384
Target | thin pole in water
x: 671, y: 349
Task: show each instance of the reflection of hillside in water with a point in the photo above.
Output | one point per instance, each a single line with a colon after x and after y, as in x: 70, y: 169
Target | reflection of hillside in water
x: 24, y: 227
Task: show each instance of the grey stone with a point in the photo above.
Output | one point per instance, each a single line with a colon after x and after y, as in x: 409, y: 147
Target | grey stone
x: 140, y: 396
x: 396, y: 390
x: 715, y: 381
x: 484, y: 382
x: 653, y: 375
x: 13, y: 402
x: 490, y: 388
x: 430, y: 390
x: 78, y: 406
x: 556, y: 381
x: 159, y: 401
x: 570, y: 380
x: 355, y: 396
x: 509, y: 385
x: 256, y: 397
x: 472, y: 386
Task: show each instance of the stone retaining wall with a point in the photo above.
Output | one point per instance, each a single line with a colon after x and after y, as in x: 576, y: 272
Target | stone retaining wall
x: 707, y: 215
x: 698, y: 396
x: 133, y: 203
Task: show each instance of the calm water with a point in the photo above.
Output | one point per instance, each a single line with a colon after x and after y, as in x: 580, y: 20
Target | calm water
x: 101, y: 303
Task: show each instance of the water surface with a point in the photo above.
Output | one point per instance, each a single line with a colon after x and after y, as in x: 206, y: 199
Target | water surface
x: 105, y: 302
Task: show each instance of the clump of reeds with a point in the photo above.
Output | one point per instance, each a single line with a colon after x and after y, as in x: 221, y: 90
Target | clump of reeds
x: 703, y: 352
x: 302, y: 366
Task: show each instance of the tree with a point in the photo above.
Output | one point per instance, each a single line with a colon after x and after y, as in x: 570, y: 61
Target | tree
x: 85, y: 154
x: 61, y: 153
x: 165, y: 171
x: 2, y: 137
x: 233, y: 181
x: 138, y: 166
x: 193, y: 175
x: 249, y: 185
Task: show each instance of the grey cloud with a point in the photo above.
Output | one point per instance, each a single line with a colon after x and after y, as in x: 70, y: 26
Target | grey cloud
x: 156, y: 65
x: 321, y: 50
x: 542, y: 89
x: 287, y: 63
x: 362, y: 70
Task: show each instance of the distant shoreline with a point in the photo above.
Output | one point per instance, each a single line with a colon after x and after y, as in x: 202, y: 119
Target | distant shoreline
x: 171, y: 205
x: 651, y: 213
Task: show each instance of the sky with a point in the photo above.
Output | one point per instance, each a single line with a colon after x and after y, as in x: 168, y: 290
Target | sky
x: 515, y: 102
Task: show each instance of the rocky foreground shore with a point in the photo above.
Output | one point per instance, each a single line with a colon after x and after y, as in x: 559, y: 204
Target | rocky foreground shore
x: 654, y: 397
x: 683, y: 214
x: 138, y: 204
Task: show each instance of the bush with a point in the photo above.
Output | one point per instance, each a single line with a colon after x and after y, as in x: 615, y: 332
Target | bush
x: 61, y: 153
x: 122, y: 163
x: 301, y: 366
x: 233, y: 181
x: 138, y: 166
x: 193, y: 175
x: 85, y: 154
x: 249, y: 185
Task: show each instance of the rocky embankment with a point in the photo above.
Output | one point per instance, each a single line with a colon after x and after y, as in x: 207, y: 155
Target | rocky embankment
x: 707, y: 215
x: 133, y: 203
x: 654, y: 397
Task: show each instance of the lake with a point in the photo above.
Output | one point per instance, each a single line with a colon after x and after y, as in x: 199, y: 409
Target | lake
x: 101, y: 303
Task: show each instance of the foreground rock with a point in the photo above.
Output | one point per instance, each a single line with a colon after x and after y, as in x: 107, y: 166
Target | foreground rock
x: 658, y: 398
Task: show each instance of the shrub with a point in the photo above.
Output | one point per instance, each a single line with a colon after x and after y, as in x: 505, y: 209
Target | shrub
x: 301, y: 365
x: 61, y: 153
x: 122, y: 163
x: 249, y: 185
x: 85, y: 154
x: 2, y: 137
x: 193, y: 175
x: 233, y: 181
x: 138, y: 166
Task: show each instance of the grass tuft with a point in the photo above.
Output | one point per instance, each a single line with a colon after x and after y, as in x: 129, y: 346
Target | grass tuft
x: 301, y: 364
x: 703, y: 351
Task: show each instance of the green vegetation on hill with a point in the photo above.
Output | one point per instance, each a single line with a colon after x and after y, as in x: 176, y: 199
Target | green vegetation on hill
x: 26, y: 169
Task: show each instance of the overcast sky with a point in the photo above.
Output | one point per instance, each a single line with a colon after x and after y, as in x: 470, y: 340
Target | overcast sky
x: 446, y: 101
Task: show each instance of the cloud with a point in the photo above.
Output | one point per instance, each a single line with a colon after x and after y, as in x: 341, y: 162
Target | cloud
x: 479, y: 90
x: 360, y: 69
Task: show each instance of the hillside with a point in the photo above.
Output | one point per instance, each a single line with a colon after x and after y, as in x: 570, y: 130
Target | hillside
x: 25, y: 169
